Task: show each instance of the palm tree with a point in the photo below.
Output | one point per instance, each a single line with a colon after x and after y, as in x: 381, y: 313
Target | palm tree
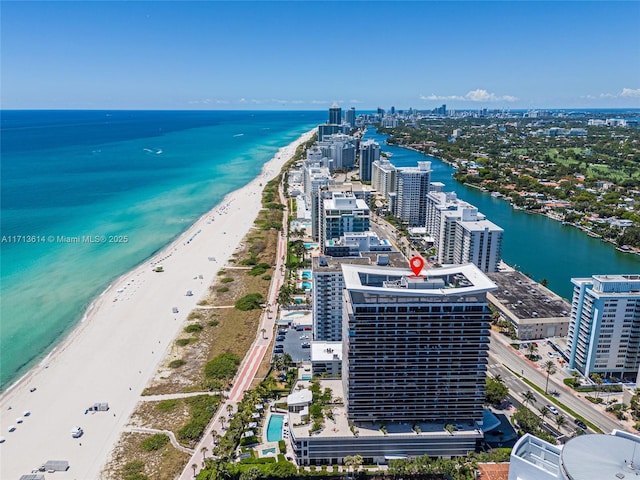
x: 597, y: 378
x: 561, y: 421
x: 550, y: 368
x: 528, y: 396
x: 204, y: 454
x: 229, y: 409
x: 544, y: 411
x: 222, y: 419
x: 532, y: 350
x: 194, y: 466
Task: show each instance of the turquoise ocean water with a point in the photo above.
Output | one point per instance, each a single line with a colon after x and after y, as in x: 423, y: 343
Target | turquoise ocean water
x: 146, y: 176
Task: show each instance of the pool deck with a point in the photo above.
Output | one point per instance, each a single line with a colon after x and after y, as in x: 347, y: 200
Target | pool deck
x: 265, y: 444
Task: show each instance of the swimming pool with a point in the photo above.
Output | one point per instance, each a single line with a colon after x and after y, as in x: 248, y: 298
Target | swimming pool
x: 305, y: 376
x: 274, y: 428
x: 296, y: 314
x: 268, y: 451
x: 306, y: 275
x: 309, y: 246
x: 306, y: 285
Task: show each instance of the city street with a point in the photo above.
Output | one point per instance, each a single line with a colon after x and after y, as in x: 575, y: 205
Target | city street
x: 501, y: 354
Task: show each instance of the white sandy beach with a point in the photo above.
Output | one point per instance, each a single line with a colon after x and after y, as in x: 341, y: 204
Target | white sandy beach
x: 115, y: 351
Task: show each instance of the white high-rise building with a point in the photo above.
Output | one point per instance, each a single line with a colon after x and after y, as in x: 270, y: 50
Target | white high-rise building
x: 383, y: 177
x: 412, y: 186
x: 340, y: 149
x: 604, y: 327
x: 462, y: 234
x: 342, y: 213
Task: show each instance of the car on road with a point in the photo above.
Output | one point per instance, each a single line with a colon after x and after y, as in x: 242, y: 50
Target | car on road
x: 552, y: 409
x: 306, y: 345
x: 580, y: 424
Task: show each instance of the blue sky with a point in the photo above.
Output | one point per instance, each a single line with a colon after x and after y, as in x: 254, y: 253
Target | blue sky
x: 308, y: 54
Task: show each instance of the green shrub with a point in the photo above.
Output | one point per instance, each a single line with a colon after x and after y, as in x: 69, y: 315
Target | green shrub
x: 222, y: 367
x: 167, y: 405
x: 266, y: 277
x: 227, y: 280
x: 222, y: 272
x: 259, y: 269
x: 177, y: 363
x: 282, y: 446
x: 201, y: 409
x: 213, y: 323
x: 193, y: 328
x: 223, y: 289
x: 155, y: 442
x: 249, y: 302
x: 181, y: 342
x: 248, y: 440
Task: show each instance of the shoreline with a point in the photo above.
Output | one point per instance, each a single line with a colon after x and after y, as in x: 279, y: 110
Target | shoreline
x: 105, y: 357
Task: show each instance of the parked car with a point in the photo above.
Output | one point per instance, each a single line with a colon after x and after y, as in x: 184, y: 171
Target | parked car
x: 580, y: 424
x: 280, y: 338
x: 306, y: 345
x: 552, y: 409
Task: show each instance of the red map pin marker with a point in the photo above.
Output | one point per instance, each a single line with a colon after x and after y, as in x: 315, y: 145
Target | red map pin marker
x: 416, y: 264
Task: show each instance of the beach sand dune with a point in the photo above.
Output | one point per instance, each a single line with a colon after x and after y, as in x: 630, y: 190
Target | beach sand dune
x: 117, y: 348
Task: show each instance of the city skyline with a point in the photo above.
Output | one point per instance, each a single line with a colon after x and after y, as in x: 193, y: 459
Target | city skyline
x: 308, y: 55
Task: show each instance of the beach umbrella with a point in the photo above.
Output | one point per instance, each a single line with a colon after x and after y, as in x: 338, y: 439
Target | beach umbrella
x: 1, y: 439
x: 26, y: 413
x: 19, y: 420
x: 12, y: 428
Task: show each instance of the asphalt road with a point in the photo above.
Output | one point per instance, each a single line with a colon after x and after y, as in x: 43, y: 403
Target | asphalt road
x: 500, y: 353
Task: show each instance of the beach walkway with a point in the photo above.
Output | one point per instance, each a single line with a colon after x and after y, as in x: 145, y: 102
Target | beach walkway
x: 251, y: 362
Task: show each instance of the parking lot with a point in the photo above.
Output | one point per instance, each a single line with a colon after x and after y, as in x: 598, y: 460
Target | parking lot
x: 296, y: 341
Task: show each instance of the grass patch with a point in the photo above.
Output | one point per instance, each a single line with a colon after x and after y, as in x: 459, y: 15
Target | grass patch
x: 201, y: 410
x: 213, y: 323
x: 181, y: 342
x: 226, y: 280
x: 221, y: 272
x: 167, y: 405
x: 223, y: 290
x: 154, y: 442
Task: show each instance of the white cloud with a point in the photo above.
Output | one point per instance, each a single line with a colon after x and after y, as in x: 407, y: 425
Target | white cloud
x: 242, y: 100
x: 477, y: 95
x: 630, y: 92
x: 319, y: 102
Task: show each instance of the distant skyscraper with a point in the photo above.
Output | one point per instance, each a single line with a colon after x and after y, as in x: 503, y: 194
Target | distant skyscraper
x: 350, y: 117
x: 393, y: 110
x: 412, y: 186
x: 369, y: 153
x: 335, y: 115
x: 604, y: 327
x: 414, y: 347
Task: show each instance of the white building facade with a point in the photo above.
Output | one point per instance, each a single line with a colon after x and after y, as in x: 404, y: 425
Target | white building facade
x: 604, y: 326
